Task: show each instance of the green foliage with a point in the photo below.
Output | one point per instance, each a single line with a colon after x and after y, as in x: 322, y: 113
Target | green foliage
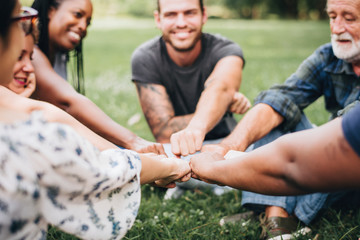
x: 246, y: 9
x: 273, y: 50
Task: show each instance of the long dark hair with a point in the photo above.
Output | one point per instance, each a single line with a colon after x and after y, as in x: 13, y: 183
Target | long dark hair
x: 6, y: 9
x: 43, y: 6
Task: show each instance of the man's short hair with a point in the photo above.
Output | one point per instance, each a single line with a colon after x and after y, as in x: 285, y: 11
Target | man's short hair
x: 201, y: 2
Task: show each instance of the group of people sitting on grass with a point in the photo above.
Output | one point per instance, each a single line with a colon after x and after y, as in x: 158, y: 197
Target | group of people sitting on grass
x: 60, y: 159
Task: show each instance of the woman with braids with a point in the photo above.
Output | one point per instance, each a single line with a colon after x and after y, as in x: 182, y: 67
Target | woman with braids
x: 50, y: 175
x: 63, y: 25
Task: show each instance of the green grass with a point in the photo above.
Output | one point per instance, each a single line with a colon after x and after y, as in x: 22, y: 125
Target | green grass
x: 273, y: 50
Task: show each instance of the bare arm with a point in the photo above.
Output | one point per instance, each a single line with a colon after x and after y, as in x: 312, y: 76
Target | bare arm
x: 163, y: 171
x: 53, y: 89
x: 159, y: 112
x: 12, y: 101
x: 319, y: 159
x: 256, y: 123
x: 155, y: 168
x: 214, y: 101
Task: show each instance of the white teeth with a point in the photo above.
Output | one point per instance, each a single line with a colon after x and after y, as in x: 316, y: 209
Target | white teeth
x: 20, y: 80
x: 182, y: 34
x: 75, y: 35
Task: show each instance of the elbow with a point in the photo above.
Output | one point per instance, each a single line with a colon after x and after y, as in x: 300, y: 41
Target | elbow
x: 70, y: 102
x: 223, y: 91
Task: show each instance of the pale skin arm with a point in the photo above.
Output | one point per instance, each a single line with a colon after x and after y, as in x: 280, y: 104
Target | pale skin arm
x: 214, y: 101
x: 155, y: 169
x: 319, y: 159
x: 12, y: 101
x: 256, y: 123
x: 220, y: 88
x: 163, y: 171
x: 53, y: 89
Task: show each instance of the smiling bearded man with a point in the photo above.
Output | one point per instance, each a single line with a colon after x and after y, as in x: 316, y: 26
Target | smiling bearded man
x: 188, y: 81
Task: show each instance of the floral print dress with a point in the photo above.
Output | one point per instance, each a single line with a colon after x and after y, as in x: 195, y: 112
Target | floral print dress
x: 51, y: 175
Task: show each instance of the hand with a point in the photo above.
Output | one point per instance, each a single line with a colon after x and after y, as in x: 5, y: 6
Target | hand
x: 181, y: 173
x: 187, y: 141
x: 240, y: 104
x: 143, y: 146
x: 220, y: 149
x: 30, y: 86
x: 202, y: 166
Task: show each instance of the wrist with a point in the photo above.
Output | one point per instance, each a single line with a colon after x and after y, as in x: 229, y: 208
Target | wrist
x: 132, y: 142
x: 198, y: 126
x: 237, y: 145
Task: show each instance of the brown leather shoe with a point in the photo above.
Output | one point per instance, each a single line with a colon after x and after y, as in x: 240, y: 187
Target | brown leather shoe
x: 280, y: 228
x: 237, y: 218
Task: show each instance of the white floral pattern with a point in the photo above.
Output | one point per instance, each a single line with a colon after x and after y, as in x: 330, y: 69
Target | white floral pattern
x: 51, y: 175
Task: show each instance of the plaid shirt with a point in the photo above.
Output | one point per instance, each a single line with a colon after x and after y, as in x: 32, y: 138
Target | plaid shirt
x: 320, y: 74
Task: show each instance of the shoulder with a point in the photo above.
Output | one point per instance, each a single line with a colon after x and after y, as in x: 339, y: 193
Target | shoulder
x: 217, y: 40
x: 325, y: 52
x: 322, y: 57
x: 218, y: 47
x: 148, y: 48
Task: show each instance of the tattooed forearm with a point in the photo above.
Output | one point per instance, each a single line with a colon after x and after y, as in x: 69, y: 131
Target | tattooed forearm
x: 159, y: 111
x: 174, y: 125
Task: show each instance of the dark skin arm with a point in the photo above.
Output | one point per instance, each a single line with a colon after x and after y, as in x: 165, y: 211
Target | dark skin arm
x: 318, y: 159
x: 54, y: 89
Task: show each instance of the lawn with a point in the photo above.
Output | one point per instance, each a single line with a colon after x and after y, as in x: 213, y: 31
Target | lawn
x: 273, y: 50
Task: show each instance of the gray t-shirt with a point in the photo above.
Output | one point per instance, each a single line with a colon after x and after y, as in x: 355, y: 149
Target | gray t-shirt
x: 184, y: 85
x: 60, y: 64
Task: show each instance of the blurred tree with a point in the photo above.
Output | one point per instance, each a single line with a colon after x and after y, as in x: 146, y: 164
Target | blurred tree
x: 249, y: 9
x: 289, y: 9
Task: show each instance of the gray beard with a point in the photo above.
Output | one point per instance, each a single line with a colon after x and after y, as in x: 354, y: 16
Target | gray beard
x: 347, y: 58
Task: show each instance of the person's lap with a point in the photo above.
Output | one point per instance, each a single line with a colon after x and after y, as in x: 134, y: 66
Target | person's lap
x: 305, y: 207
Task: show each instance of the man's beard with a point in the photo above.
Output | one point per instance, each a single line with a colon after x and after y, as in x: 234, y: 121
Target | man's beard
x: 345, y: 52
x: 190, y: 47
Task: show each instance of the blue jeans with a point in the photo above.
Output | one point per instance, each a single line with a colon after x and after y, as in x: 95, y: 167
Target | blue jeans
x: 305, y: 207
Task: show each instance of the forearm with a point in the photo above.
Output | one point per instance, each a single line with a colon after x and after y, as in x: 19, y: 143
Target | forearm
x: 153, y: 168
x: 163, y: 131
x: 163, y: 171
x: 318, y: 159
x: 263, y: 170
x: 212, y: 106
x: 256, y: 123
x: 95, y: 119
x: 55, y: 114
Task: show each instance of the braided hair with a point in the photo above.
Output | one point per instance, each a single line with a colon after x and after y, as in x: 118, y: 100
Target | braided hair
x: 43, y: 6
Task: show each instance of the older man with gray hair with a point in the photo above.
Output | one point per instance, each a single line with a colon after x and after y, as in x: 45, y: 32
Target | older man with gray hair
x: 332, y: 71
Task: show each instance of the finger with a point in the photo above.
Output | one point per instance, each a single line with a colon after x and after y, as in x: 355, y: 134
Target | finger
x: 175, y: 145
x: 193, y: 175
x: 184, y: 150
x: 242, y: 107
x: 186, y: 177
x: 198, y: 142
x: 170, y: 185
x: 160, y: 149
x: 236, y: 108
x: 191, y: 143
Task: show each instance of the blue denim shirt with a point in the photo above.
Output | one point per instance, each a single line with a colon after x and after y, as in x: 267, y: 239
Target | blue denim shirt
x: 320, y: 74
